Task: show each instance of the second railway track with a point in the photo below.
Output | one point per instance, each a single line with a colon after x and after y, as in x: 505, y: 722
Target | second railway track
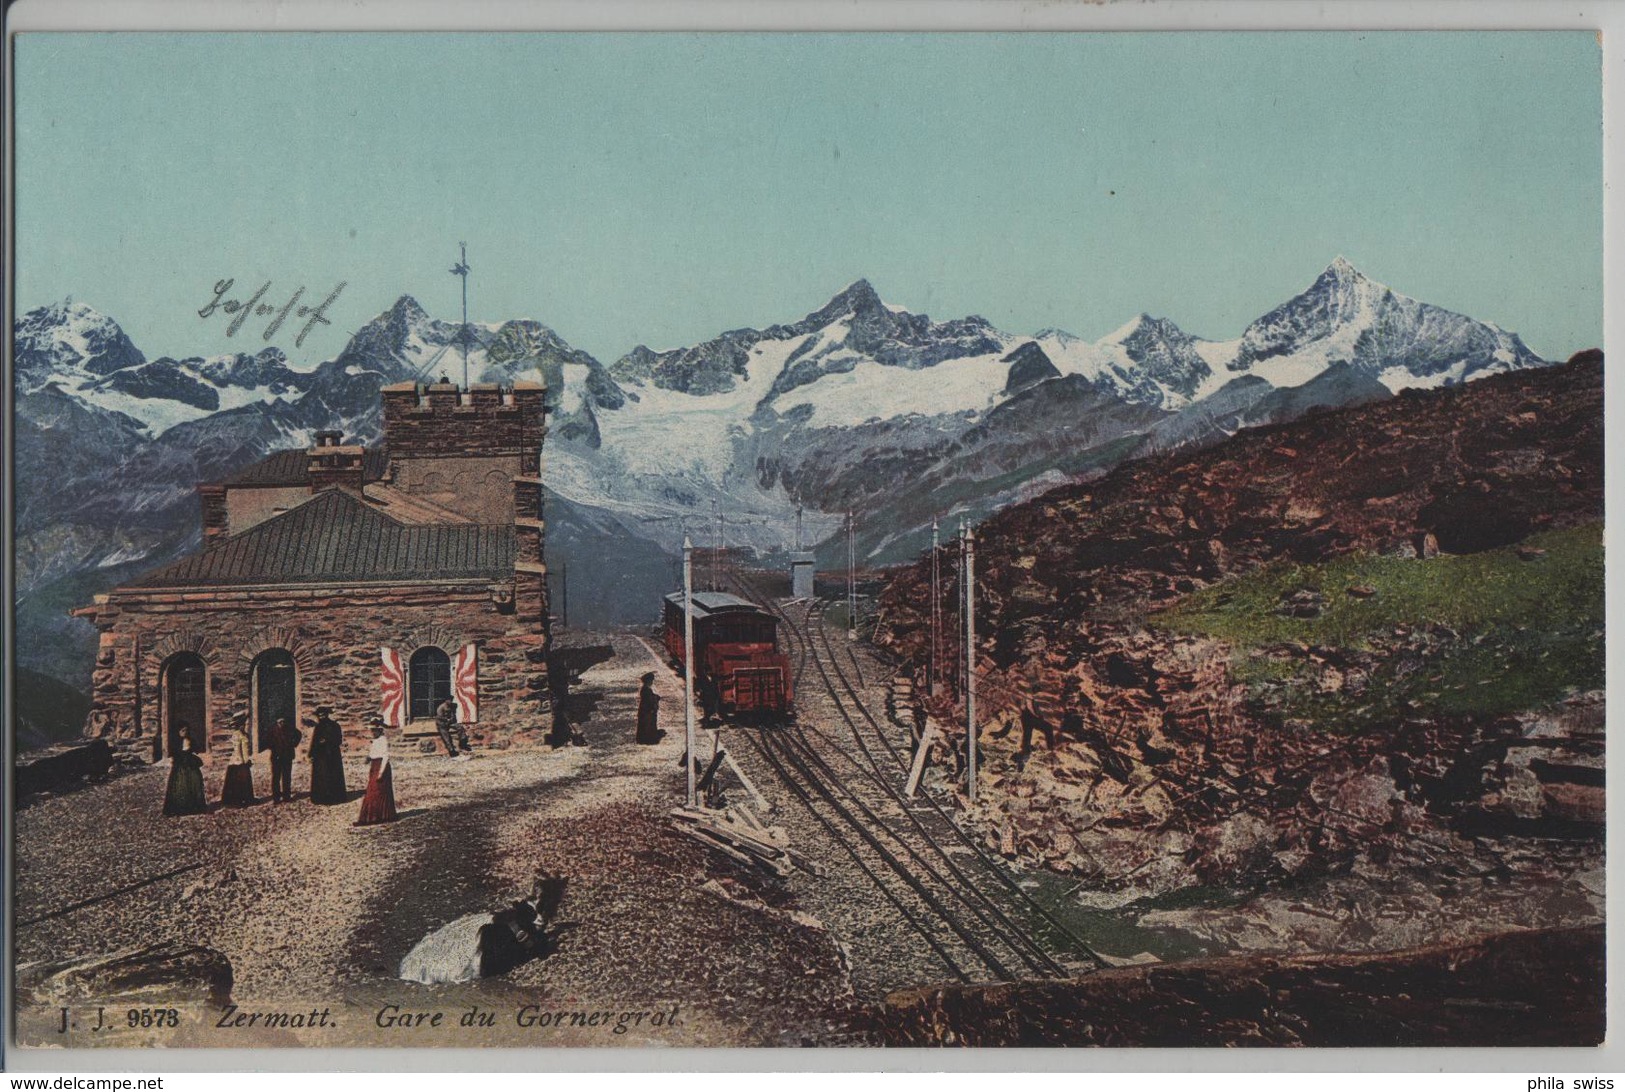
x: 975, y: 919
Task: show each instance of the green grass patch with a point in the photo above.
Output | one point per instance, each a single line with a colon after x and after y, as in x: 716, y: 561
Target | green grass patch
x: 1114, y: 931
x: 1524, y: 632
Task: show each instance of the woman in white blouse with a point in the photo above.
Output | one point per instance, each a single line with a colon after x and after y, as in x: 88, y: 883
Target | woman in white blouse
x: 378, y: 805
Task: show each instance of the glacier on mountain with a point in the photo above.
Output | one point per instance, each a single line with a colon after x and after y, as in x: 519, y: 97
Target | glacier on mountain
x: 860, y: 404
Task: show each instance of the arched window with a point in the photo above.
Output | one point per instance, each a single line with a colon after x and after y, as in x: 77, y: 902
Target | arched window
x: 186, y: 701
x: 276, y: 693
x: 430, y: 681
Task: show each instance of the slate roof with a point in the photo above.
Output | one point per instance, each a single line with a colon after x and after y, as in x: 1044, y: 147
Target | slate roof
x: 336, y: 538
x: 291, y: 466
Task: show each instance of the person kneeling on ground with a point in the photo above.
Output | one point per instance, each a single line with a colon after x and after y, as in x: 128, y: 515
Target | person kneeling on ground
x: 518, y: 934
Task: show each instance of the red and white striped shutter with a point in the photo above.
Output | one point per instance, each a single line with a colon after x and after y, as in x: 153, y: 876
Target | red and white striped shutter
x: 392, y: 689
x: 465, y: 678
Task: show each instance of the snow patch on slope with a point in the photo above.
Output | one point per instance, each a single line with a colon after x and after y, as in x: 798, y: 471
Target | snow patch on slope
x: 873, y: 391
x: 1399, y: 379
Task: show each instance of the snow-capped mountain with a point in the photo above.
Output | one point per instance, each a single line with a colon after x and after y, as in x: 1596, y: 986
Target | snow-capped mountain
x: 1345, y: 317
x: 834, y: 410
x: 1146, y: 360
x: 859, y: 404
x: 863, y: 405
x: 70, y: 337
x: 84, y: 354
x: 406, y: 342
x: 853, y: 327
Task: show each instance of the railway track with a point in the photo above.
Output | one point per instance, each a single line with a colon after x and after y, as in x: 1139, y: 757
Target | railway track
x: 960, y: 899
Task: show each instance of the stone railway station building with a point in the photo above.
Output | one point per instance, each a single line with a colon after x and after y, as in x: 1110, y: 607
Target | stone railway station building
x: 384, y: 579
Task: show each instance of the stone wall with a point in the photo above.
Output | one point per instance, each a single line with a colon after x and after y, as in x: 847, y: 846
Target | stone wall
x: 334, y: 634
x: 241, y: 507
x: 479, y: 487
x: 476, y: 451
x: 463, y: 449
x: 441, y: 421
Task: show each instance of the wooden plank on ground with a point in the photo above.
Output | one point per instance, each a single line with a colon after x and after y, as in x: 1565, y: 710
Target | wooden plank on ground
x: 730, y: 831
x: 917, y: 770
x: 705, y: 779
x: 750, y: 786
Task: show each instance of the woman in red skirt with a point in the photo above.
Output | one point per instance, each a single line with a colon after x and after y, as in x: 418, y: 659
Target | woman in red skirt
x: 378, y: 806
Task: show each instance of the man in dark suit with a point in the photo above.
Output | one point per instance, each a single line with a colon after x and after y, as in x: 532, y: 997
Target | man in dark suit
x: 283, y: 738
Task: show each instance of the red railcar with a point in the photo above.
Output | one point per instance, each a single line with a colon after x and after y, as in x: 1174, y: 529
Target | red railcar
x: 737, y: 648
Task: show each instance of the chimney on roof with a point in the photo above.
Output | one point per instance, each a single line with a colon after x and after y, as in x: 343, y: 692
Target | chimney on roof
x: 332, y: 464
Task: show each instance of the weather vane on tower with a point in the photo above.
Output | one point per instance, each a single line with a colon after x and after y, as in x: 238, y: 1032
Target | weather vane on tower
x: 461, y: 270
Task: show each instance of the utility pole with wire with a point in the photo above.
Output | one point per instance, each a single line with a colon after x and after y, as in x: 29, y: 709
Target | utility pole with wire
x: 970, y: 662
x: 851, y: 579
x: 932, y: 678
x: 688, y: 663
x: 959, y: 605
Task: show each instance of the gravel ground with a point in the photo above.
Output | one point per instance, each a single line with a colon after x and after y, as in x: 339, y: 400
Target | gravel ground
x: 679, y: 945
x: 888, y: 951
x: 312, y: 909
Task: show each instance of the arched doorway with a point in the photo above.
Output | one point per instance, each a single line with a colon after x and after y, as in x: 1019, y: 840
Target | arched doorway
x: 430, y: 682
x: 276, y: 693
x: 185, y: 682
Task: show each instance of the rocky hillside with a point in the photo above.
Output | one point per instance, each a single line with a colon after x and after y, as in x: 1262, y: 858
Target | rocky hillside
x: 1372, y: 637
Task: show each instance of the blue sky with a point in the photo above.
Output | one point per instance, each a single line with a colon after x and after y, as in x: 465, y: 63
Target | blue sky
x: 663, y: 188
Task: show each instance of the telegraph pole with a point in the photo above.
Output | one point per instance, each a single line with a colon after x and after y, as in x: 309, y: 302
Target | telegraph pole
x: 970, y: 662
x: 959, y: 604
x: 851, y: 579
x: 461, y: 270
x: 688, y: 662
x: 716, y: 547
x: 931, y: 671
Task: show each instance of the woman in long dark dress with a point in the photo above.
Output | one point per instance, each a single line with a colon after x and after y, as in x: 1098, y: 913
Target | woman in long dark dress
x: 238, y: 790
x: 378, y: 805
x: 185, y: 794
x: 649, y: 730
x: 327, y: 760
